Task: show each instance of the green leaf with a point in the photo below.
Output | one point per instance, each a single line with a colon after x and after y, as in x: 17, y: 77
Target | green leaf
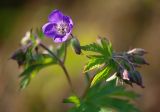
x: 94, y: 63
x: 72, y: 99
x: 37, y: 63
x: 106, y: 97
x: 93, y: 47
x: 40, y: 33
x: 118, y: 104
x: 24, y: 82
x: 107, y: 47
x: 110, y: 96
x: 104, y: 48
x: 101, y: 75
x: 86, y: 107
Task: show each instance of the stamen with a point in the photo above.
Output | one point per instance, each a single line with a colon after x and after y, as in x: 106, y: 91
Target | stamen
x: 62, y: 28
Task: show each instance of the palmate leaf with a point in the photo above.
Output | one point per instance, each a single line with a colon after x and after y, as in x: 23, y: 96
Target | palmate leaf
x: 40, y: 61
x: 104, y: 48
x: 107, y: 97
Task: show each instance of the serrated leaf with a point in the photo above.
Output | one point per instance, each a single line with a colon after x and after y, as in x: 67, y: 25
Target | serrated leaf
x: 93, y: 47
x: 101, y: 75
x: 107, y: 47
x: 94, y: 63
x: 108, y: 96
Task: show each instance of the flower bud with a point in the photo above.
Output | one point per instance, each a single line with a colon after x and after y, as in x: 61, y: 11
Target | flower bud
x: 135, y: 77
x: 137, y: 59
x: 76, y: 45
x: 19, y: 56
x: 137, y: 51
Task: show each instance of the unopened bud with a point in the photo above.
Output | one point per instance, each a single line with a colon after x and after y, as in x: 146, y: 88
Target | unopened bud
x: 137, y: 59
x: 135, y: 77
x: 137, y: 51
x: 76, y: 45
x: 19, y: 56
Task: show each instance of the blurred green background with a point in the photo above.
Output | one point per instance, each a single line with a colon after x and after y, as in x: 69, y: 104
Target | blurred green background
x: 127, y: 23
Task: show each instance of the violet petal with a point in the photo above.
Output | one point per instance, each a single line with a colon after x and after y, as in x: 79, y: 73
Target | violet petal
x: 55, y: 16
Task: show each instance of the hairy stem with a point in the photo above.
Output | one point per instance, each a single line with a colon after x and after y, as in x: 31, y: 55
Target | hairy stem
x: 61, y: 64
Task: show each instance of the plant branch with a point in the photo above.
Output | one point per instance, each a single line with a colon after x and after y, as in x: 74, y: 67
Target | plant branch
x: 65, y: 51
x: 61, y: 64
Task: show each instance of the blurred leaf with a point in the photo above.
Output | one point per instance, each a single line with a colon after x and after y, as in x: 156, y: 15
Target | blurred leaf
x: 101, y: 75
x: 40, y: 33
x: 38, y: 62
x: 106, y: 97
x: 86, y: 107
x: 24, y: 82
x: 105, y: 110
x: 73, y: 99
x: 118, y: 104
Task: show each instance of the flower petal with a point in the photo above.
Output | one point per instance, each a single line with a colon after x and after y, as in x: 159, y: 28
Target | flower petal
x: 59, y: 38
x: 49, y: 30
x: 55, y: 16
x: 68, y: 20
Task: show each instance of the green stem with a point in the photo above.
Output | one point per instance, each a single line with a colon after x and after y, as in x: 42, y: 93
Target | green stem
x: 88, y: 86
x: 65, y: 52
x: 61, y: 64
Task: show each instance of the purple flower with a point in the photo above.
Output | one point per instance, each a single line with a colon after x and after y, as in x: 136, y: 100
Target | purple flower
x: 59, y: 26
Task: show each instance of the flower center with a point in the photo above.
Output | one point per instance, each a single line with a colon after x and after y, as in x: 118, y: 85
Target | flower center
x: 62, y: 28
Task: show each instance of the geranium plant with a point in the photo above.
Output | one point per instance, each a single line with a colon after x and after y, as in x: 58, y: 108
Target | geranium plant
x: 105, y: 90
